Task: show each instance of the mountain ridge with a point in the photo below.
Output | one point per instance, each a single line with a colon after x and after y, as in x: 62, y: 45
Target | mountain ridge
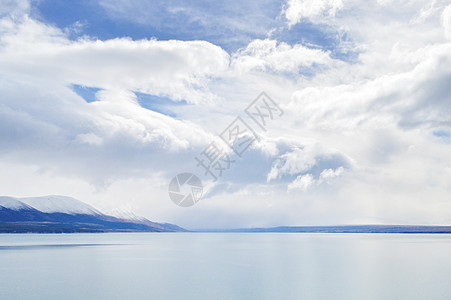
x: 61, y: 214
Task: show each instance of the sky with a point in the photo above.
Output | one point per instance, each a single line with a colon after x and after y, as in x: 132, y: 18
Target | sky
x: 107, y: 100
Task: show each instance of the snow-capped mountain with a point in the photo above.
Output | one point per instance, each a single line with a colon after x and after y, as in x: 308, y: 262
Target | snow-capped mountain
x: 59, y: 204
x: 12, y: 203
x: 64, y: 214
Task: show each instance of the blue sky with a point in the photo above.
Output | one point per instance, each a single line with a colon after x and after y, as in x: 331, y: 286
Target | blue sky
x: 106, y: 101
x: 230, y: 24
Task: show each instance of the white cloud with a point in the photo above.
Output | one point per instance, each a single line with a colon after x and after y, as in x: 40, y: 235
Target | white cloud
x: 272, y: 56
x: 302, y: 183
x: 446, y: 21
x: 14, y: 8
x: 44, y: 122
x: 330, y: 173
x: 303, y: 159
x: 175, y: 69
x: 313, y: 10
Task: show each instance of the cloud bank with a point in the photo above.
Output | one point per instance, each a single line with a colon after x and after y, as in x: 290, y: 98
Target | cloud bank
x: 361, y: 140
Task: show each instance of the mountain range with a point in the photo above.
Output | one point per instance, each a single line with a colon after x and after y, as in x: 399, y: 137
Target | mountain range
x: 414, y: 229
x: 61, y: 214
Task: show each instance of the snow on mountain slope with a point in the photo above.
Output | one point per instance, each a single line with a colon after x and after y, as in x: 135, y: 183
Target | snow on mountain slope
x: 59, y: 204
x: 12, y: 203
x: 124, y: 214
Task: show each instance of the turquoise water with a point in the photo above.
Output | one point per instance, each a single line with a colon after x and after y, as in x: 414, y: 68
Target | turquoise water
x: 225, y: 266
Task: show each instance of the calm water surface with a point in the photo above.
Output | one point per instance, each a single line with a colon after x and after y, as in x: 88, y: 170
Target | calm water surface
x: 225, y: 266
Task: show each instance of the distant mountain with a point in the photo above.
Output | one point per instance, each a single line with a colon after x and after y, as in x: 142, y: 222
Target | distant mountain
x: 60, y: 214
x: 349, y: 229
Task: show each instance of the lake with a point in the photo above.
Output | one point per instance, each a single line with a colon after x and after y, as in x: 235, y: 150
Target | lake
x: 225, y: 266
